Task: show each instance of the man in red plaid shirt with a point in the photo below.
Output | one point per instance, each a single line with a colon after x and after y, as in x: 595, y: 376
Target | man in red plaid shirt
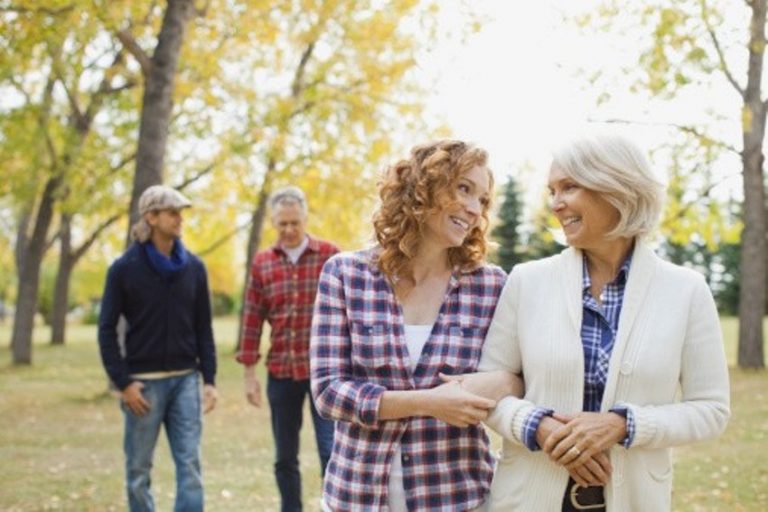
x: 281, y: 290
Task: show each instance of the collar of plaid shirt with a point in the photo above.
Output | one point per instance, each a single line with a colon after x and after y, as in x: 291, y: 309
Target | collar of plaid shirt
x: 598, y: 331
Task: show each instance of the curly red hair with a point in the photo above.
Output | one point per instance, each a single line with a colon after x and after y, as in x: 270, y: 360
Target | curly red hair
x: 418, y: 187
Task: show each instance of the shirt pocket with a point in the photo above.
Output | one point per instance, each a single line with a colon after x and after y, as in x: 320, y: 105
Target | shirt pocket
x: 372, y: 351
x: 459, y: 351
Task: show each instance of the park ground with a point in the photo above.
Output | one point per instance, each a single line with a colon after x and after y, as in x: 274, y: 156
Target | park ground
x: 61, y: 439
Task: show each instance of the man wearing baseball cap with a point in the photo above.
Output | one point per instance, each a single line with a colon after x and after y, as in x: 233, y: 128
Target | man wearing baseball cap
x: 161, y: 290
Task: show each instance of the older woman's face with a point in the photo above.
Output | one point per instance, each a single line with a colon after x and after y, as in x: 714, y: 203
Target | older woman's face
x: 585, y: 216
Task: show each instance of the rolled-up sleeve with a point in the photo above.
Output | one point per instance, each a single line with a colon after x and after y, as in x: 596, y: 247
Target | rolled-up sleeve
x: 337, y: 395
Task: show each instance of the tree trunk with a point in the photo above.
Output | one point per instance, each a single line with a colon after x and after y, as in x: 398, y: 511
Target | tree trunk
x: 29, y: 259
x: 61, y: 289
x: 158, y: 102
x: 753, y: 244
x: 254, y: 241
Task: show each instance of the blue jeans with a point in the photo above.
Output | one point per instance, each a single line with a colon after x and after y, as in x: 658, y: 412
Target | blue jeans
x: 175, y: 403
x: 286, y: 401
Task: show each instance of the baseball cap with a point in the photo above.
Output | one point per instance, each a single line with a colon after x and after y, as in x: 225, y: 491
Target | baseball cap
x: 162, y: 197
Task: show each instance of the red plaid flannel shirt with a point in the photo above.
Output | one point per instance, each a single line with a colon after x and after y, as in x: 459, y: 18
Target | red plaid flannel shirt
x: 282, y: 293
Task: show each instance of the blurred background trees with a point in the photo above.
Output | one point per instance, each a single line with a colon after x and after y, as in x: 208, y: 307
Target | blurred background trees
x: 680, y: 60
x: 228, y: 99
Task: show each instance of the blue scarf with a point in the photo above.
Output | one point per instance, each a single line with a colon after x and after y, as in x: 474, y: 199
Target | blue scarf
x: 167, y: 267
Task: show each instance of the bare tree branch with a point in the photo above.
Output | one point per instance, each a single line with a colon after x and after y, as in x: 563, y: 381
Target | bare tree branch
x: 683, y: 128
x: 87, y: 243
x: 38, y: 10
x: 20, y: 89
x: 105, y: 87
x: 187, y: 182
x: 130, y: 44
x: 52, y: 240
x: 80, y: 122
x: 704, y: 192
x: 297, y: 86
x: 720, y: 55
x: 303, y: 109
x: 123, y: 162
x: 45, y: 112
x: 224, y: 238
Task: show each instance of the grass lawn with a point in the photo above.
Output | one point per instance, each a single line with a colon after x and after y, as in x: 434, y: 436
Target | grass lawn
x: 61, y: 439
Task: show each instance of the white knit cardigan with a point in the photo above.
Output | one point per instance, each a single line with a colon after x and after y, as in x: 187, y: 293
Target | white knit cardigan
x: 667, y: 366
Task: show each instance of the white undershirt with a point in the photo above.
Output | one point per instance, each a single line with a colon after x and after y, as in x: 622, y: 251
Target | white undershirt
x: 294, y: 253
x: 416, y: 337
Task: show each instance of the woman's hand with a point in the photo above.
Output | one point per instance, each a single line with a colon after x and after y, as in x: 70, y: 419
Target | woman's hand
x: 582, y: 438
x: 493, y: 385
x: 595, y: 470
x: 453, y: 404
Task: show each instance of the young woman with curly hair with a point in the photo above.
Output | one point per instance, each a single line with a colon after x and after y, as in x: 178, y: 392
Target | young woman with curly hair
x: 392, y: 323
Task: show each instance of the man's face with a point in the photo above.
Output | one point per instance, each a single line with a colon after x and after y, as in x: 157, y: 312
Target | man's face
x: 166, y: 223
x: 291, y: 225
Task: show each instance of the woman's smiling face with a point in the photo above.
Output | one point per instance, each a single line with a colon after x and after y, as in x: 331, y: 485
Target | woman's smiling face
x: 451, y: 226
x: 585, y: 215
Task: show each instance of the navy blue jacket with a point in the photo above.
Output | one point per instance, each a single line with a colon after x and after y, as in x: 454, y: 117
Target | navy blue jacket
x: 169, y: 319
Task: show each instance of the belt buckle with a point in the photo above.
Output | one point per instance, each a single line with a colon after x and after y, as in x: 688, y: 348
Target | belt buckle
x: 573, y: 495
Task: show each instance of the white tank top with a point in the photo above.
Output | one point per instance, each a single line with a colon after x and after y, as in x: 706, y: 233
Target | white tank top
x: 416, y: 337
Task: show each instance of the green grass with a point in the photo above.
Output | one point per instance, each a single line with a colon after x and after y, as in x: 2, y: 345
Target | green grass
x: 61, y: 439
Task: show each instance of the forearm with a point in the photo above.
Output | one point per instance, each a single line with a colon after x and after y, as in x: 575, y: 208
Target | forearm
x: 493, y: 385
x: 395, y: 405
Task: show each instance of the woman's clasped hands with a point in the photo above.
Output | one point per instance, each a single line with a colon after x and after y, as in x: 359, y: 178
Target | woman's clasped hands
x: 580, y: 443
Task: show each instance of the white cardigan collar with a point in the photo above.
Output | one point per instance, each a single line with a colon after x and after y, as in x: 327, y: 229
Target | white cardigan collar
x: 644, y: 264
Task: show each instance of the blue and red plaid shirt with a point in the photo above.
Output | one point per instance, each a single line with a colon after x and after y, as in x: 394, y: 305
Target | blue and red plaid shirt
x: 358, y: 351
x: 599, y: 326
x: 283, y: 293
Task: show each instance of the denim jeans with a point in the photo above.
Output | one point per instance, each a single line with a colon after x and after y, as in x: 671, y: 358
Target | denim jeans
x: 286, y: 401
x: 175, y: 403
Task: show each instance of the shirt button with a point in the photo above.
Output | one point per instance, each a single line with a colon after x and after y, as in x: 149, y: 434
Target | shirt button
x: 295, y: 276
x: 626, y: 368
x: 406, y: 458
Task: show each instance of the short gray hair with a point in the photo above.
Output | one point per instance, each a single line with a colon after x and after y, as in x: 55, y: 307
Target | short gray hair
x: 619, y: 170
x: 287, y: 196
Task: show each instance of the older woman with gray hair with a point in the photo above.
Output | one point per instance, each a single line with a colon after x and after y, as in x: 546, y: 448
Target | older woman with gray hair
x: 621, y: 351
